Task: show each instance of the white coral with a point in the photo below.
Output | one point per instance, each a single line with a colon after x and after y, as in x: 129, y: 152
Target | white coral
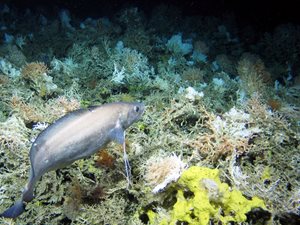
x: 177, y: 46
x: 8, y: 69
x: 118, y: 75
x: 192, y: 95
x: 162, y: 171
x: 67, y: 66
x: 235, y: 124
x: 130, y: 66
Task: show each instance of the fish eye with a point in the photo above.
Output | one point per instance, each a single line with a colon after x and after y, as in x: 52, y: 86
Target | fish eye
x: 136, y: 108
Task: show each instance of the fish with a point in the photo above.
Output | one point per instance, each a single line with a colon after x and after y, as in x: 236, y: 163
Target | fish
x: 77, y: 135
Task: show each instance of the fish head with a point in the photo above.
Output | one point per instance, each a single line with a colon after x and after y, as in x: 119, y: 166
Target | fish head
x: 131, y: 112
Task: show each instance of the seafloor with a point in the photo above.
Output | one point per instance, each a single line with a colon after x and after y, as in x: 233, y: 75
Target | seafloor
x: 217, y: 96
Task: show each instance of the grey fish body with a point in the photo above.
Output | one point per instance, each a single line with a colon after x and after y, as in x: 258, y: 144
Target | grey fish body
x: 76, y: 135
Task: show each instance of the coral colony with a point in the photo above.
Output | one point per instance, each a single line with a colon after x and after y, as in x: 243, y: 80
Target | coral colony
x: 218, y: 142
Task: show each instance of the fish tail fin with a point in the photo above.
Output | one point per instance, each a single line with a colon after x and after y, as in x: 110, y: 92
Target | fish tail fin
x: 19, y: 207
x: 14, y: 211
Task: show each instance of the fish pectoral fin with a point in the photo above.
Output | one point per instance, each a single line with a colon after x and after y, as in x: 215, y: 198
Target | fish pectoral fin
x: 118, y: 135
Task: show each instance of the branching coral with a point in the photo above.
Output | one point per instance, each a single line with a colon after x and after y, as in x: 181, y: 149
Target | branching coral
x: 225, y: 135
x: 132, y: 66
x: 193, y: 75
x: 37, y: 73
x: 104, y: 159
x: 32, y: 71
x: 36, y: 111
x: 254, y: 76
x: 65, y: 105
x: 78, y: 195
x: 27, y: 112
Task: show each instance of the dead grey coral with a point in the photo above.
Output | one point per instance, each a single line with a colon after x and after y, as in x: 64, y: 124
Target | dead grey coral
x: 13, y: 134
